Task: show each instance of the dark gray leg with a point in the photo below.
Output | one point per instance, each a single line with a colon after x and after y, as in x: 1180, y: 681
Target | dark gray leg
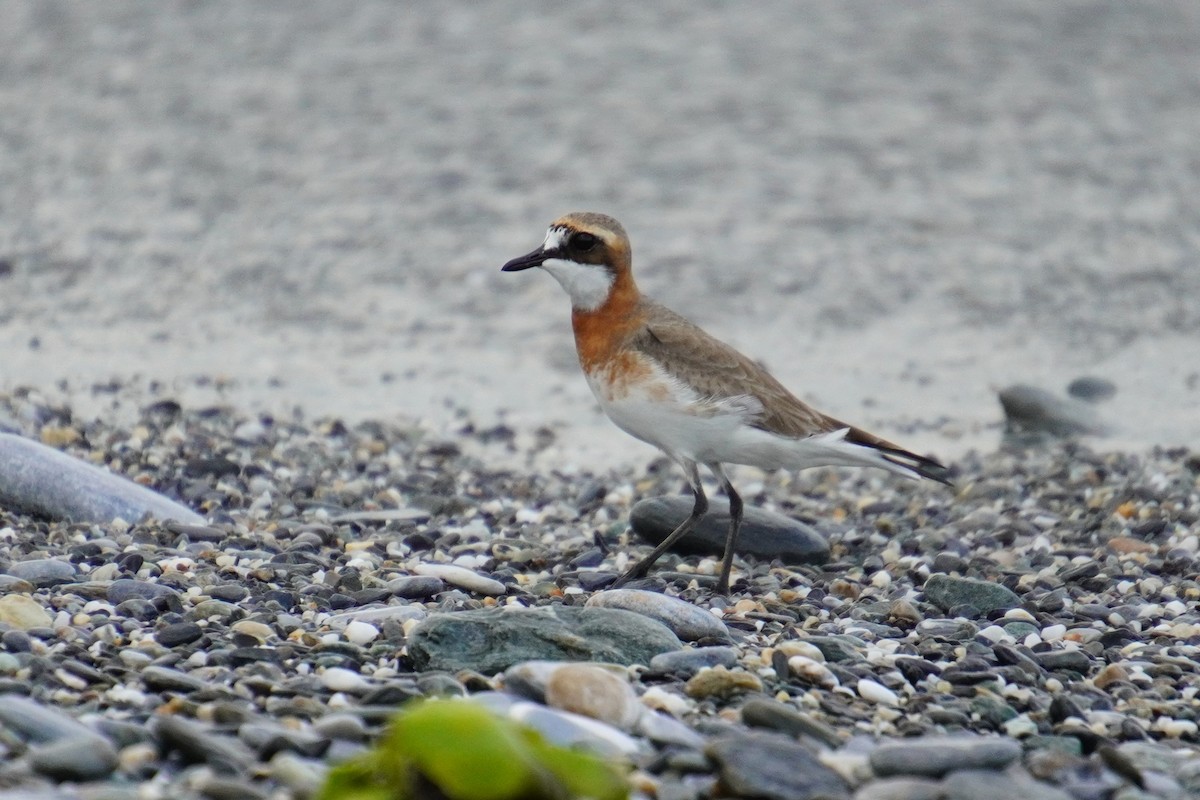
x: 640, y: 569
x: 735, y: 525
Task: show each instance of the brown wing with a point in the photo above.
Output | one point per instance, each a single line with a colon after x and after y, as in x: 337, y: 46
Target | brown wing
x: 715, y: 369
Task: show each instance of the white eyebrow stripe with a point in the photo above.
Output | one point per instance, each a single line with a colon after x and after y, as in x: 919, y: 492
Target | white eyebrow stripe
x: 555, y: 237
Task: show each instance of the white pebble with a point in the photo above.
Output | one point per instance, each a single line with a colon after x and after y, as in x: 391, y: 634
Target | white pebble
x: 1019, y: 614
x: 874, y: 692
x: 660, y: 699
x: 1053, y: 633
x: 814, y: 672
x: 339, y: 679
x: 1020, y: 726
x: 361, y: 633
x: 994, y: 633
x: 462, y: 577
x: 1175, y: 728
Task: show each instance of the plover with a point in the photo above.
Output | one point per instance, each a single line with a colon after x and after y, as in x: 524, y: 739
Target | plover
x: 665, y: 381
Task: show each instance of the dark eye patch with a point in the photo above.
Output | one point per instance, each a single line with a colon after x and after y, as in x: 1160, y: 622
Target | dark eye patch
x: 584, y: 242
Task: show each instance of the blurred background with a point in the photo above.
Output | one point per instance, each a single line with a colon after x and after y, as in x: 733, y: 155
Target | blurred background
x: 899, y: 208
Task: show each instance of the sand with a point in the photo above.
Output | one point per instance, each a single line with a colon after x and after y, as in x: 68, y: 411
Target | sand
x: 898, y: 208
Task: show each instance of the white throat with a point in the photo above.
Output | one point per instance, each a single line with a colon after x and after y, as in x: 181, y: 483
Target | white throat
x: 587, y: 284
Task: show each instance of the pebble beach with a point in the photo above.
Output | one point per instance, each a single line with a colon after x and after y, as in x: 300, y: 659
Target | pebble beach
x: 1035, y: 630
x: 249, y: 284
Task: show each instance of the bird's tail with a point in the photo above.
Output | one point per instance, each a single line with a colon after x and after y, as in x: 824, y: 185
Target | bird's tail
x: 900, y: 460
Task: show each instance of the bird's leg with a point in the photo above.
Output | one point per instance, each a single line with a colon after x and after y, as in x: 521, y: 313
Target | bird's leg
x: 640, y: 569
x: 735, y: 525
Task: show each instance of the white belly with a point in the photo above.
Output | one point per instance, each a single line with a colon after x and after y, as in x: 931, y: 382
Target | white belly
x: 673, y: 418
x: 706, y: 430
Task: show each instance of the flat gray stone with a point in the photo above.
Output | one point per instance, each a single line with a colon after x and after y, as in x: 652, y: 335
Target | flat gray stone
x: 934, y: 756
x: 47, y: 482
x: 492, y: 640
x: 772, y: 766
x: 947, y: 592
x: 764, y: 534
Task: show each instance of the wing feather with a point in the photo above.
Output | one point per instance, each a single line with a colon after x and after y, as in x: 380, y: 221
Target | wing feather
x: 722, y: 375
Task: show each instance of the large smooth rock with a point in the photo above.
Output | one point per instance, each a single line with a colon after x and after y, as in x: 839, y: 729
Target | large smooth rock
x: 41, y: 480
x: 491, y: 640
x: 764, y: 534
x: 1028, y: 409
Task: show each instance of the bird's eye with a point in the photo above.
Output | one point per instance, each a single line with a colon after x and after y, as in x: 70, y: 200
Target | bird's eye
x: 584, y: 242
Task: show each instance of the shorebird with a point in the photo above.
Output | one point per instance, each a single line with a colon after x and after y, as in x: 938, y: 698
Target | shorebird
x: 665, y: 381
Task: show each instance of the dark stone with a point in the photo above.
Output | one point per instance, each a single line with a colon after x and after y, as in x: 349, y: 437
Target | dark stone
x: 199, y: 744
x: 771, y: 766
x: 416, y: 587
x: 178, y: 634
x: 16, y: 641
x: 764, y: 534
x: 760, y: 712
x: 216, y: 467
x: 1075, y: 660
x: 165, y: 679
x: 76, y: 758
x: 1092, y: 389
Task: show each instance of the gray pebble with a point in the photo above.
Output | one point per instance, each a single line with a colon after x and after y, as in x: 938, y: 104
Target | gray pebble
x: 901, y: 789
x: 690, y: 623
x: 690, y: 660
x: 1092, y: 389
x: 761, y: 712
x: 75, y: 758
x: 934, y: 756
x: 773, y: 766
x: 948, y: 592
x: 42, y: 572
x: 341, y: 725
x: 128, y: 589
x: 986, y: 784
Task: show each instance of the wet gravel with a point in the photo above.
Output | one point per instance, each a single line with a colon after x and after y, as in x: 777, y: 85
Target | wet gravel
x: 1033, y: 633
